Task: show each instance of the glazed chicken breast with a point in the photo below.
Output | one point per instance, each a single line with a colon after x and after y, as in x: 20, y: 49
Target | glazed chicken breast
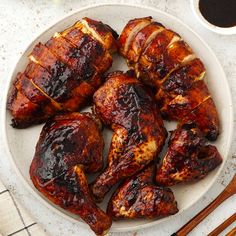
x: 164, y: 61
x: 69, y: 146
x: 188, y: 157
x: 124, y: 104
x: 63, y: 73
x: 138, y: 197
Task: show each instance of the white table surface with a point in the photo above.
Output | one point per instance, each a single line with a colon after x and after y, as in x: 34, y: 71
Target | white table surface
x: 21, y: 21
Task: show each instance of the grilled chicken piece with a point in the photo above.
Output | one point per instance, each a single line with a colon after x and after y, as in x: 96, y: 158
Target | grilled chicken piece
x: 70, y: 145
x: 139, y: 197
x: 63, y: 73
x: 188, y: 158
x: 123, y: 104
x: 162, y: 60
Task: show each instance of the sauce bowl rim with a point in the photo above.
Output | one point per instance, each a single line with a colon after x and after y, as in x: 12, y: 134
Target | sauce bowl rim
x: 207, y: 24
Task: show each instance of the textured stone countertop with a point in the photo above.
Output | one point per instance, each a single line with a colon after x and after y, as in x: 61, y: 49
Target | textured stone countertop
x: 22, y: 20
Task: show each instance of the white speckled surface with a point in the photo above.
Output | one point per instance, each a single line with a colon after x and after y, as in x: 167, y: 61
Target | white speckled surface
x: 21, y: 21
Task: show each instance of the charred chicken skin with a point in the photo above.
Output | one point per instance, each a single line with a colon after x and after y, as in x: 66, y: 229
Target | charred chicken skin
x: 124, y: 104
x: 139, y: 197
x: 63, y: 73
x: 70, y: 145
x: 188, y: 158
x: 162, y: 60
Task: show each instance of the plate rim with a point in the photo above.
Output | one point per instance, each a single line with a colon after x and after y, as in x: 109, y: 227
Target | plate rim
x: 52, y: 206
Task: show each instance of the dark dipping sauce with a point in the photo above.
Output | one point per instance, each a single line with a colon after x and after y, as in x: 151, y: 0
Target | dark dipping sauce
x: 220, y: 13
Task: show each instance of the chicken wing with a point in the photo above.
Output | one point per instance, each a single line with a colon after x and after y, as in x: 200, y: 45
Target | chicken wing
x: 128, y: 108
x: 139, y: 197
x: 188, y: 157
x: 162, y: 60
x: 70, y: 145
x: 65, y: 71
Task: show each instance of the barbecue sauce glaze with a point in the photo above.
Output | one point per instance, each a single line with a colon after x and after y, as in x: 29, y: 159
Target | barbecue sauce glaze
x: 221, y: 13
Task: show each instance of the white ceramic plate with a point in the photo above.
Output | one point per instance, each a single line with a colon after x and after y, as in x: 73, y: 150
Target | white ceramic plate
x: 21, y: 143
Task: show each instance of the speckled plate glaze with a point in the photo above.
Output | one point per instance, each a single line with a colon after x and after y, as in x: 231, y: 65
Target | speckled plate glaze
x: 21, y: 143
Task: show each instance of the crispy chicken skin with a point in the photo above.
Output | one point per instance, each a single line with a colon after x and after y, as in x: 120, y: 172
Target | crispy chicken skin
x: 70, y: 145
x: 65, y: 72
x: 124, y: 105
x: 162, y: 60
x: 188, y: 158
x: 138, y: 197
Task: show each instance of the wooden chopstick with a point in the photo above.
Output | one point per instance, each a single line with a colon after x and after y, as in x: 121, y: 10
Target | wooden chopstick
x: 231, y: 232
x: 227, y: 192
x: 223, y: 226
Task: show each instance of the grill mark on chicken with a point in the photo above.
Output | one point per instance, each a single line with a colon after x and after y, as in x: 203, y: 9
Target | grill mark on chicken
x: 78, y: 60
x: 169, y: 58
x: 134, y: 27
x: 32, y: 93
x: 64, y: 83
x: 86, y: 28
x: 40, y: 77
x: 103, y: 57
x: 75, y: 36
x: 180, y: 82
x: 151, y: 62
x: 61, y: 80
x: 188, y: 157
x: 80, y: 65
x: 102, y: 32
x: 89, y: 52
x: 182, y: 54
x: 140, y: 40
x: 57, y: 106
x: 149, y: 40
x: 181, y: 105
x: 206, y: 118
x: 183, y: 78
x: 138, y: 197
x: 21, y: 107
x: 25, y: 86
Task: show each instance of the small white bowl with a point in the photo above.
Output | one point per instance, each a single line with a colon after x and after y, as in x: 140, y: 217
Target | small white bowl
x: 207, y: 24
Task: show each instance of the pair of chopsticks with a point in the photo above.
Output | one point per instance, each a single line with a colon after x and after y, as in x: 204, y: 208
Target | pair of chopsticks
x: 223, y: 226
x: 229, y: 191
